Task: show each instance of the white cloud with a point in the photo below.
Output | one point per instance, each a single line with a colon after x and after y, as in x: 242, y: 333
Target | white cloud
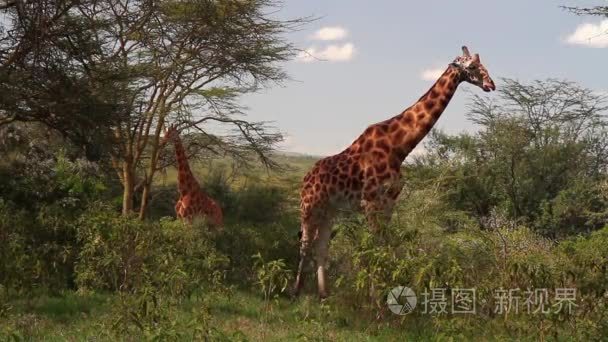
x: 332, y: 53
x: 330, y: 33
x: 431, y: 74
x: 590, y: 35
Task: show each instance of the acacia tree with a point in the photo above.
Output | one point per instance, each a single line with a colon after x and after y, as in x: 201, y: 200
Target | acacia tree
x: 44, y: 74
x: 181, y: 62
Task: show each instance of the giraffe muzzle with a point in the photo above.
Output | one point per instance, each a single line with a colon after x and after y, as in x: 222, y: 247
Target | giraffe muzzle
x: 488, y: 86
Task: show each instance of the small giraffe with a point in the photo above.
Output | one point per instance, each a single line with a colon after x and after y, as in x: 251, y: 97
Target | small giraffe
x: 192, y: 200
x: 367, y: 175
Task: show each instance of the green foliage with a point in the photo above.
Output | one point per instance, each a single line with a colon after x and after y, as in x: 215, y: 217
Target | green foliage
x: 125, y: 254
x: 588, y: 269
x: 154, y: 266
x: 41, y: 249
x: 261, y: 204
x: 273, y: 276
x: 260, y: 218
x: 539, y: 158
x: 508, y: 257
x: 588, y: 262
x: 13, y: 248
x: 42, y: 192
x: 254, y: 202
x: 34, y: 177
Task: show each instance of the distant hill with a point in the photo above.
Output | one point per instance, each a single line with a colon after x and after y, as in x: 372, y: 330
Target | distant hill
x: 297, y: 154
x: 294, y: 167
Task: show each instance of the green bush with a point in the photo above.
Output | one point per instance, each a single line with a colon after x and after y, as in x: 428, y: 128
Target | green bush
x: 260, y: 204
x: 586, y: 269
x: 42, y: 192
x: 41, y: 248
x: 259, y: 219
x: 273, y: 276
x: 13, y: 249
x: 274, y: 241
x: 124, y: 254
x: 588, y: 265
x: 367, y: 266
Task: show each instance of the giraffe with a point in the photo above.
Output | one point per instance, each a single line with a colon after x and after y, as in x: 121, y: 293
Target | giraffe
x: 192, y: 199
x: 366, y: 176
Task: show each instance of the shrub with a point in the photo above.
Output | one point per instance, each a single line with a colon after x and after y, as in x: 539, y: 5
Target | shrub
x: 13, y: 248
x: 239, y: 242
x: 589, y: 262
x: 273, y: 276
x: 40, y: 247
x: 260, y: 219
x: 423, y: 258
x: 260, y: 204
x: 125, y: 254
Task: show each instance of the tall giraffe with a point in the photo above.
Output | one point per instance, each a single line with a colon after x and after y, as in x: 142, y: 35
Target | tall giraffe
x: 366, y: 176
x: 192, y: 199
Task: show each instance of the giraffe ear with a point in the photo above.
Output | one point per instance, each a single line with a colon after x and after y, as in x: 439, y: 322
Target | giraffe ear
x: 476, y: 58
x: 465, y: 51
x: 170, y: 129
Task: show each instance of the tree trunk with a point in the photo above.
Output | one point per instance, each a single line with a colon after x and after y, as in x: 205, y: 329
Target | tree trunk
x: 127, y: 197
x: 147, y: 186
x: 145, y: 196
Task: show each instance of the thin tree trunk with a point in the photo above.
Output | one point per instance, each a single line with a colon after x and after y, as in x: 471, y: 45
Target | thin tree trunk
x: 127, y: 197
x: 145, y: 196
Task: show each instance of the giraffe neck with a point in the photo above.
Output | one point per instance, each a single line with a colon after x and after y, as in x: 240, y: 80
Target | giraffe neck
x: 185, y: 179
x: 417, y: 121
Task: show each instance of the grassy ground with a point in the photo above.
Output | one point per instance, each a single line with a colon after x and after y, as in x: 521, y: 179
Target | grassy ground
x: 240, y: 316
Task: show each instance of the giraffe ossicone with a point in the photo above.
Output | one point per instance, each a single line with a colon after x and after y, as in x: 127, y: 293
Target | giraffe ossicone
x: 366, y: 176
x: 193, y: 201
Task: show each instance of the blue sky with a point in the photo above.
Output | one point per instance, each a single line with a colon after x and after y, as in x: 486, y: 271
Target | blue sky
x: 377, y: 52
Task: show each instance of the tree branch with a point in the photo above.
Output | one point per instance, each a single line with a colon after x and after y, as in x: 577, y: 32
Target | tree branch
x: 4, y: 4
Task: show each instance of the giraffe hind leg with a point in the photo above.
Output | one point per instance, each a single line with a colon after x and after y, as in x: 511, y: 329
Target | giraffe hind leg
x: 178, y: 208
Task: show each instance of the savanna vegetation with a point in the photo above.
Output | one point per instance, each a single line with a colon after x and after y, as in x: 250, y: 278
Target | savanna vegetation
x: 90, y: 249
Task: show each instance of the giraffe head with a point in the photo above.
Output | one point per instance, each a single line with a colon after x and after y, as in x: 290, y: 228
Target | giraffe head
x: 473, y: 71
x: 171, y: 133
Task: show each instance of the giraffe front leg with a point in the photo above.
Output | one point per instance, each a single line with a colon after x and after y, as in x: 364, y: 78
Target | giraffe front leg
x: 321, y: 253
